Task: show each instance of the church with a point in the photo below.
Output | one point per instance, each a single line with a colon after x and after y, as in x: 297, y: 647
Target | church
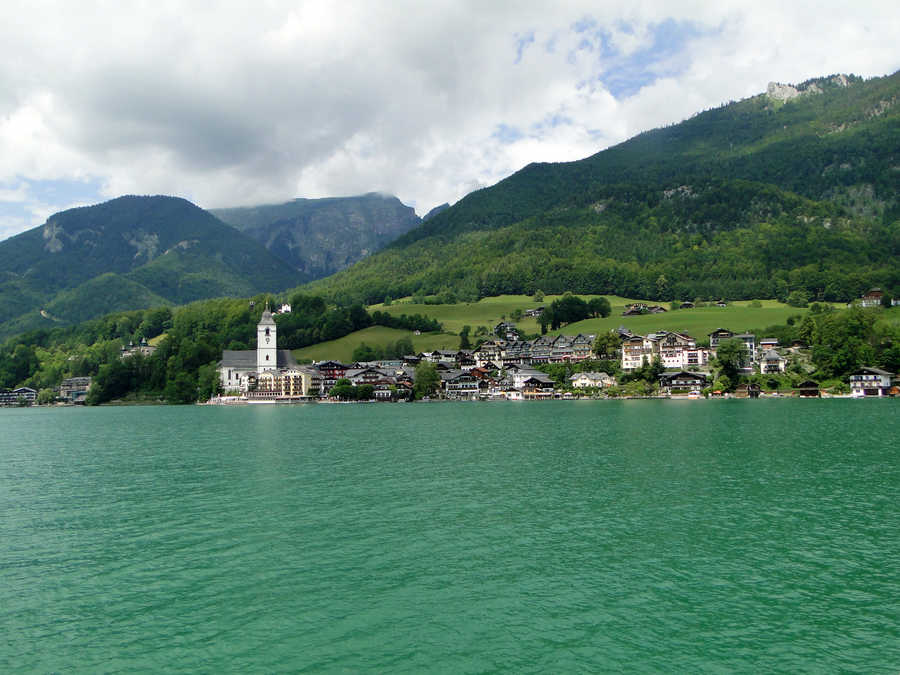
x: 240, y: 370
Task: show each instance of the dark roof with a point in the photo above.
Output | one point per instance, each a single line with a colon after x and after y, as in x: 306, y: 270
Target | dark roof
x: 874, y: 371
x: 683, y: 374
x: 246, y: 359
x: 330, y: 364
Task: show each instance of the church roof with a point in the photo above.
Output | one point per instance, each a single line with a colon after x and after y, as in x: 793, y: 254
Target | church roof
x: 245, y: 359
x: 266, y: 319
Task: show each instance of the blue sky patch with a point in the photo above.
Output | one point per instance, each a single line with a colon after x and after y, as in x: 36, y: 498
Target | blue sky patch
x: 522, y: 42
x: 663, y: 57
x: 18, y: 214
x: 506, y: 134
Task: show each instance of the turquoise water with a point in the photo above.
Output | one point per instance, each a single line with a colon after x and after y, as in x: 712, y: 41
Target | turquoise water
x: 695, y: 536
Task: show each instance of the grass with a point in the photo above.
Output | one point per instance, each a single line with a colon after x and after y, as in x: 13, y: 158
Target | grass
x: 699, y: 322
x: 342, y: 348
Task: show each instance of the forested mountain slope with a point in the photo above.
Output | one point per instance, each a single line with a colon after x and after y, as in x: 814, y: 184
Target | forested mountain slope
x: 794, y: 189
x: 128, y: 253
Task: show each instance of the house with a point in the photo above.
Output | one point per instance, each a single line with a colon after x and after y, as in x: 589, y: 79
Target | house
x: 519, y: 376
x: 284, y: 309
x: 750, y: 390
x: 772, y: 362
x: 686, y: 305
x: 718, y: 335
x: 671, y: 347
x: 721, y: 303
x: 561, y: 350
x: 22, y: 395
x: 749, y: 340
x: 636, y: 351
x: 681, y: 382
x: 871, y: 298
x: 807, y: 389
x: 870, y: 382
x: 538, y: 386
x: 289, y: 384
x: 765, y: 344
x: 459, y: 384
x: 506, y: 331
x: 330, y: 372
x: 75, y: 389
x: 582, y: 347
x: 489, y: 350
x: 465, y: 360
x: 541, y: 349
x: 143, y: 348
x: 534, y: 313
x: 600, y: 380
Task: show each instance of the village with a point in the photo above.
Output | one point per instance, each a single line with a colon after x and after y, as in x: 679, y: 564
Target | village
x: 506, y: 367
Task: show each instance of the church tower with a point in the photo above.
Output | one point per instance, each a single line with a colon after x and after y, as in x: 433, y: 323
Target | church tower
x: 266, y: 351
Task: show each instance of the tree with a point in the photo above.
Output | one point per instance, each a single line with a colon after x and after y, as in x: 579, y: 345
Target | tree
x: 427, y: 379
x: 886, y: 301
x: 365, y: 392
x: 46, y: 396
x: 662, y: 287
x: 364, y: 352
x: 798, y: 299
x: 731, y: 355
x: 209, y: 383
x: 464, y: 342
x: 599, y: 307
x: 183, y: 389
x: 538, y: 296
x: 606, y: 346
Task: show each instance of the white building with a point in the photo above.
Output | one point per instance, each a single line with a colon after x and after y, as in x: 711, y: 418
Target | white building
x: 239, y: 370
x: 870, y: 382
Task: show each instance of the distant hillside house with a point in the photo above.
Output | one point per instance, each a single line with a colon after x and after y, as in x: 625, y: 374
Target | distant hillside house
x: 240, y: 370
x: 143, y: 348
x: 871, y: 298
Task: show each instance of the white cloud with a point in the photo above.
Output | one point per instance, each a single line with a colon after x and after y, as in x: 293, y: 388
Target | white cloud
x: 239, y: 103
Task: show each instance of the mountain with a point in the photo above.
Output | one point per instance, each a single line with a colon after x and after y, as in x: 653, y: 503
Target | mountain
x: 436, y: 210
x: 319, y: 237
x: 128, y: 253
x: 793, y: 189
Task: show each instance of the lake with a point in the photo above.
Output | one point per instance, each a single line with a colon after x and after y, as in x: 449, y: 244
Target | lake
x: 648, y: 536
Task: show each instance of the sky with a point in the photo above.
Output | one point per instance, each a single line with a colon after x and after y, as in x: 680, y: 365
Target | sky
x: 233, y: 104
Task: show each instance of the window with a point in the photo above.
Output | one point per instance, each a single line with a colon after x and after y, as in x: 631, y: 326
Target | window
x: 267, y: 357
x: 267, y: 331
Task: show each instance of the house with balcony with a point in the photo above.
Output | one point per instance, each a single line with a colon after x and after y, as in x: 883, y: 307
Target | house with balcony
x: 538, y: 386
x: 772, y: 363
x: 682, y: 382
x: 460, y: 385
x: 636, y: 351
x: 599, y: 380
x: 870, y: 382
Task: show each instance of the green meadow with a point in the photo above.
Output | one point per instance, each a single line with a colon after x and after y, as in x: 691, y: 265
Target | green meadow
x: 342, y: 348
x: 699, y: 322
